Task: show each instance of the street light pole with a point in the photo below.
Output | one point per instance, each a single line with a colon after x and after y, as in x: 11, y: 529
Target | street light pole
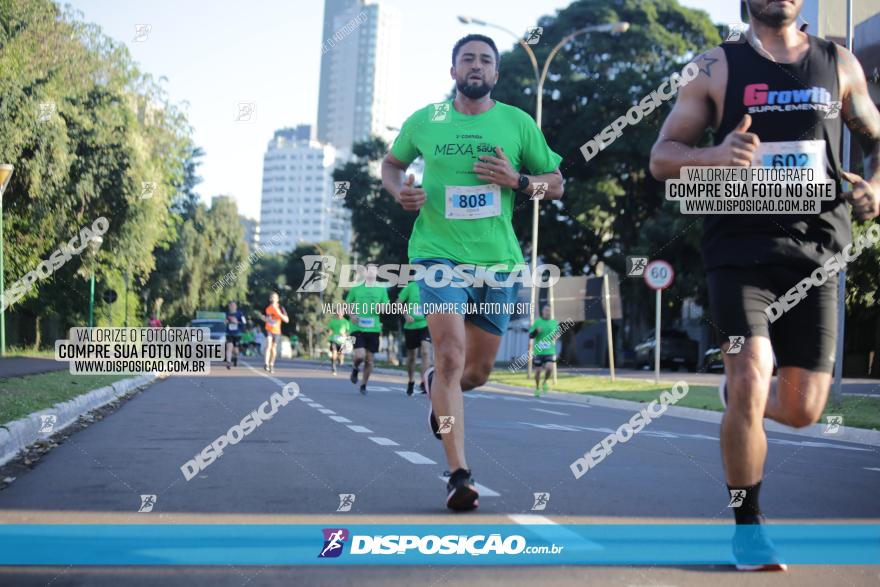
x: 616, y: 27
x: 5, y: 175
x: 94, y: 245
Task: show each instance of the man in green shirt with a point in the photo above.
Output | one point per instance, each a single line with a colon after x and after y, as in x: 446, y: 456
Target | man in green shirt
x: 337, y: 331
x: 473, y: 148
x: 415, y: 331
x: 544, y: 331
x: 364, y: 301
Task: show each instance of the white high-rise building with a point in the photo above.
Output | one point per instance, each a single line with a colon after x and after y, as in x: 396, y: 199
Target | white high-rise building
x: 360, y: 73
x: 297, y: 205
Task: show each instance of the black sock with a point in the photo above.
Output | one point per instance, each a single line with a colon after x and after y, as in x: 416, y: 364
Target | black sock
x: 749, y: 511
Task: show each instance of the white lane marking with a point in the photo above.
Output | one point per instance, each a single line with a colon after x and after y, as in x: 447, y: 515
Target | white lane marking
x: 871, y: 468
x: 674, y: 435
x: 484, y: 491
x: 512, y: 398
x: 382, y: 441
x: 532, y: 519
x: 415, y: 458
x: 316, y: 405
x: 549, y: 412
x: 361, y: 429
x: 342, y: 419
x: 326, y: 411
x: 579, y: 542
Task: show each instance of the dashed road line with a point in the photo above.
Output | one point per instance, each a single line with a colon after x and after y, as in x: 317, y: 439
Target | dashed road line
x: 361, y: 429
x: 382, y: 441
x: 342, y: 419
x: 549, y: 411
x: 415, y: 458
x: 326, y: 411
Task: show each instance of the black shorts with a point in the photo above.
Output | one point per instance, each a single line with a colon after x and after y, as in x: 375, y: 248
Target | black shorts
x: 803, y: 336
x: 335, y: 346
x: 367, y: 340
x: 235, y: 339
x: 541, y: 360
x: 415, y: 336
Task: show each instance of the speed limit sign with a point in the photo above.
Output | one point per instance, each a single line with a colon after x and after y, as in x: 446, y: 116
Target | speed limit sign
x: 659, y: 275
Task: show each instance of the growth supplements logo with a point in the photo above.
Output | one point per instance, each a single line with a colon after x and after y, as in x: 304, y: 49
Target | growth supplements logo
x: 334, y: 541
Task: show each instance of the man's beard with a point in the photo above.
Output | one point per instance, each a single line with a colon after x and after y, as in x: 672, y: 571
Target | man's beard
x: 473, y: 92
x: 776, y: 20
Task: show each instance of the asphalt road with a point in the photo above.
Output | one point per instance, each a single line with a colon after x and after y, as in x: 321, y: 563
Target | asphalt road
x: 293, y: 467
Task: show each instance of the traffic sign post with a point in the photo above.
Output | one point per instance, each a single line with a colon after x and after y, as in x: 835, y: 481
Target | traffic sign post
x: 110, y: 296
x: 658, y: 275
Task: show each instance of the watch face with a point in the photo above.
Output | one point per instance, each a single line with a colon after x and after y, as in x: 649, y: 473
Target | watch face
x: 523, y: 182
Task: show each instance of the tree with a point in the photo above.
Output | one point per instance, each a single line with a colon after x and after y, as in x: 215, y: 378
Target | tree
x: 308, y: 310
x: 382, y: 228
x: 206, y: 266
x: 72, y: 118
x: 612, y: 207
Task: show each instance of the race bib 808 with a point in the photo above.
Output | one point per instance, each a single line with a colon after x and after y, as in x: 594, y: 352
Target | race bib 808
x: 469, y: 202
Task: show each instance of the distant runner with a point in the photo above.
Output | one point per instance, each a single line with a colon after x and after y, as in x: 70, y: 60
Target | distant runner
x: 364, y: 301
x: 415, y: 331
x: 544, y: 352
x: 235, y: 325
x: 274, y: 315
x: 337, y: 331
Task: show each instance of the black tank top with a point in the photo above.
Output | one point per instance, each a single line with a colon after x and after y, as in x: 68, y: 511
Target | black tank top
x: 787, y: 102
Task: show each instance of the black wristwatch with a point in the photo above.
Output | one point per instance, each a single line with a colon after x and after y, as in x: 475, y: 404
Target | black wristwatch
x: 523, y: 183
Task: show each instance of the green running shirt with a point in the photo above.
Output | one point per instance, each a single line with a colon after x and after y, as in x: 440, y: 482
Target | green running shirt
x: 410, y: 295
x: 545, y: 343
x: 366, y: 300
x: 450, y: 143
x: 339, y: 329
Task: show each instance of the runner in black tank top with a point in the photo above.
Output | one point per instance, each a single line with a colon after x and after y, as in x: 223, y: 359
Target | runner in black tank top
x: 809, y: 92
x: 772, y: 279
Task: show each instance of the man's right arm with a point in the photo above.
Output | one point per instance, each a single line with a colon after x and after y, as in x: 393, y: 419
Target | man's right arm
x: 411, y: 198
x: 690, y: 117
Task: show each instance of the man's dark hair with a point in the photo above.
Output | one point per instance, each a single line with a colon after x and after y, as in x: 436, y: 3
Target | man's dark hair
x: 475, y: 37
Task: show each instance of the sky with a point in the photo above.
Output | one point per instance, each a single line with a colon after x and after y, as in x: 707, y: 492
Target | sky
x: 217, y: 53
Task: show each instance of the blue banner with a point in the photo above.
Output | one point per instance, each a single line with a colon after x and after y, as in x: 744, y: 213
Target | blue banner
x: 438, y: 544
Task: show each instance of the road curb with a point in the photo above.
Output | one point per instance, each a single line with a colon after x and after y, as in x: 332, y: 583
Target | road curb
x: 18, y: 434
x: 816, y: 431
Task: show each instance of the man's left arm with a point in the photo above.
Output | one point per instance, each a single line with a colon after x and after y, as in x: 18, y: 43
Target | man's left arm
x: 863, y: 120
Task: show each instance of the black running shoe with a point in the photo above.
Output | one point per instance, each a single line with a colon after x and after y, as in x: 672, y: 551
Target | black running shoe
x: 235, y: 361
x: 753, y: 551
x: 266, y: 368
x: 432, y: 420
x: 354, y: 375
x: 461, y: 491
x: 227, y: 365
x: 409, y: 387
x: 363, y: 389
x: 422, y: 387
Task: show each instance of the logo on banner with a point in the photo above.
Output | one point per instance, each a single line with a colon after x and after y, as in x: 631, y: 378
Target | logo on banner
x: 334, y: 540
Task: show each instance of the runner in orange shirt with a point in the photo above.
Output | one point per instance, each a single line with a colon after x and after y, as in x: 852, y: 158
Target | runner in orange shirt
x: 274, y: 316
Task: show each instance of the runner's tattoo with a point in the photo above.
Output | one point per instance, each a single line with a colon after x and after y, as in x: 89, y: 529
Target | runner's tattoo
x: 707, y: 63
